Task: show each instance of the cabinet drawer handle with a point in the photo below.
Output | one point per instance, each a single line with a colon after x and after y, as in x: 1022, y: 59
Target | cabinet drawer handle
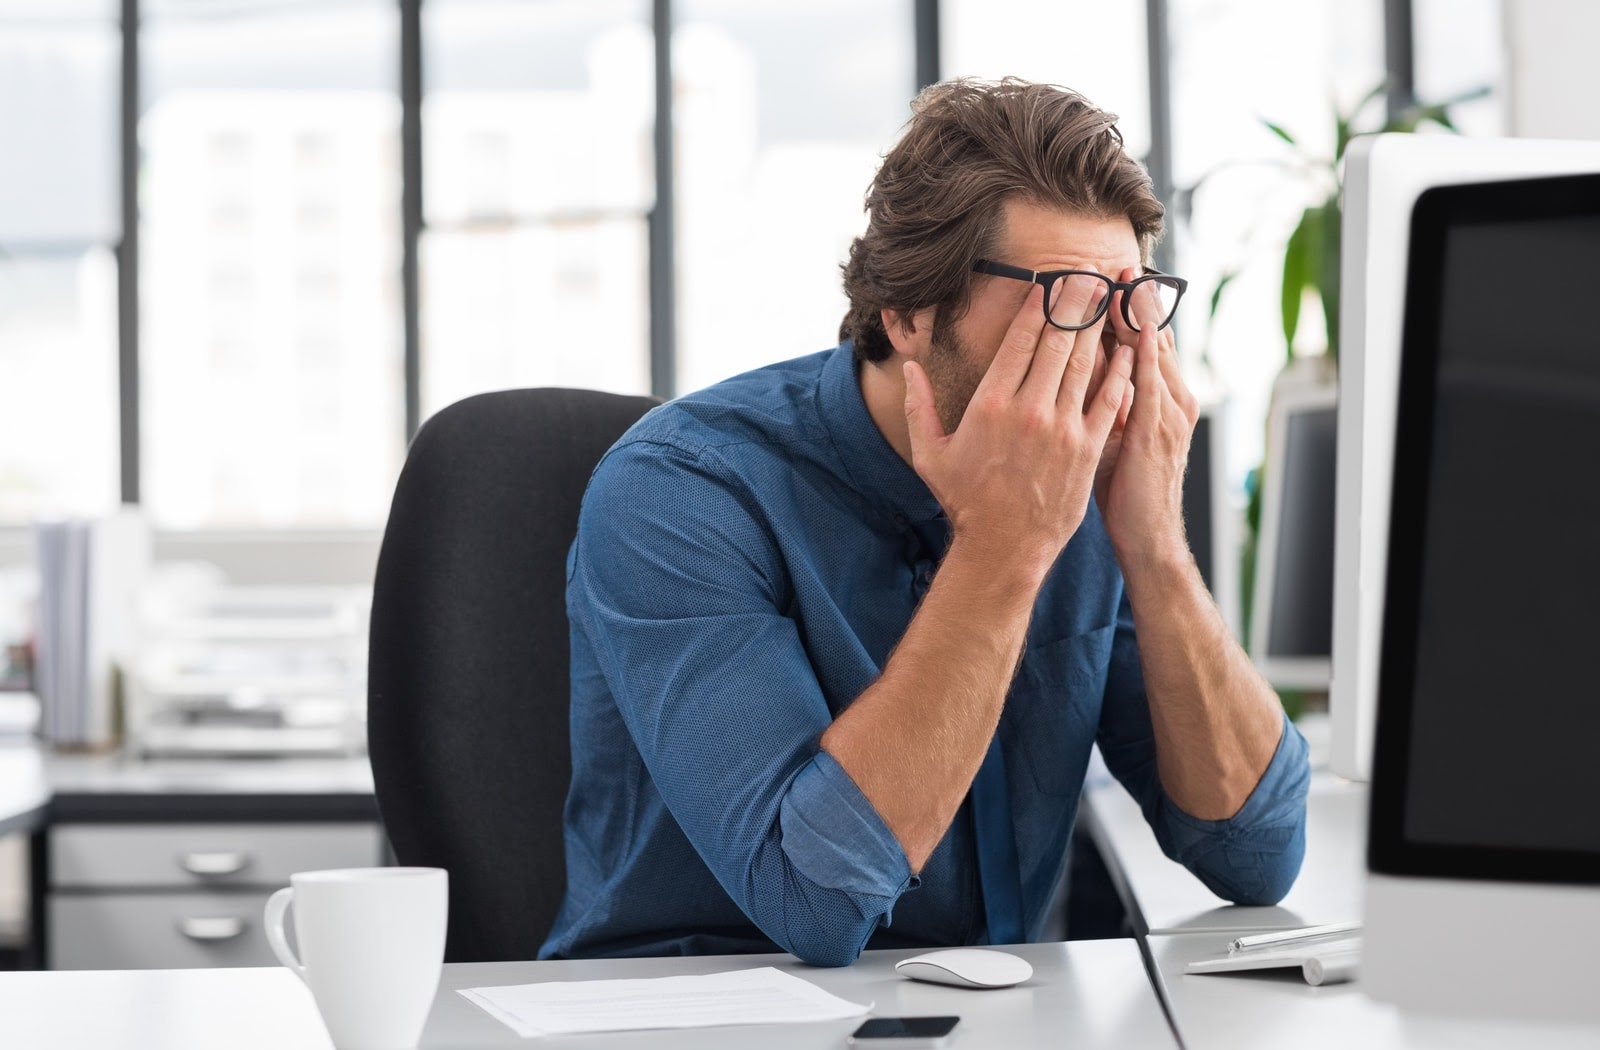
x: 220, y: 928
x: 204, y: 864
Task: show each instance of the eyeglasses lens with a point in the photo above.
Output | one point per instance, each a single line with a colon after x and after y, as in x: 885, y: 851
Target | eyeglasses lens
x: 1076, y: 298
x: 1151, y: 303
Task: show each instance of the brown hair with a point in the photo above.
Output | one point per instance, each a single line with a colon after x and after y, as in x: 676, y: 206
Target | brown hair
x: 934, y: 207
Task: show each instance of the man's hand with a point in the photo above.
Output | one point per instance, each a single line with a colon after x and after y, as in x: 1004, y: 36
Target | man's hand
x: 1139, y: 480
x: 1014, y: 478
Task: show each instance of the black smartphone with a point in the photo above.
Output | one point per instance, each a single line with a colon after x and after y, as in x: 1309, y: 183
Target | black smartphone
x: 904, y: 1033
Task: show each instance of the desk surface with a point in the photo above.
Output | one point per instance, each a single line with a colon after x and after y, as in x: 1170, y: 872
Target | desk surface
x: 37, y: 786
x: 117, y: 774
x: 24, y: 789
x: 1083, y: 994
x: 1171, y: 900
x: 1277, y: 1009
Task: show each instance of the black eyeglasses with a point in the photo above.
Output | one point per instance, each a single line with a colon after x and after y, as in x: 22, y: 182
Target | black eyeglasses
x: 1069, y: 292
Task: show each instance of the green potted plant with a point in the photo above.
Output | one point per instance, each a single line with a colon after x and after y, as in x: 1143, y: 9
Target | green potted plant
x: 1310, y: 261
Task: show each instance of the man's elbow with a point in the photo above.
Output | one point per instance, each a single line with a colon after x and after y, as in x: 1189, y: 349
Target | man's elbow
x: 822, y: 936
x: 1277, y: 874
x: 824, y: 951
x: 1280, y: 876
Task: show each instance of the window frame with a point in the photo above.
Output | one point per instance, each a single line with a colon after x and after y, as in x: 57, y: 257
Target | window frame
x: 661, y: 219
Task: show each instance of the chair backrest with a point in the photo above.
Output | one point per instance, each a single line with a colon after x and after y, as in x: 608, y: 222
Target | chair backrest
x: 467, y: 694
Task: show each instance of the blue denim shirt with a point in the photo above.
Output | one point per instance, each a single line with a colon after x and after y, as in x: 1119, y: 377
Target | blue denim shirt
x: 746, y: 559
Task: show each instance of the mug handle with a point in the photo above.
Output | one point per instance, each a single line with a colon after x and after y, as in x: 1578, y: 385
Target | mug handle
x: 272, y: 919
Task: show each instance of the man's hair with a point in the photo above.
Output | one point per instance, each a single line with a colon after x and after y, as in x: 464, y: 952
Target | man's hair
x: 936, y: 204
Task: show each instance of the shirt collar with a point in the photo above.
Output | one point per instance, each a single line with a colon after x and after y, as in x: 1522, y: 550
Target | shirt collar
x: 869, y: 461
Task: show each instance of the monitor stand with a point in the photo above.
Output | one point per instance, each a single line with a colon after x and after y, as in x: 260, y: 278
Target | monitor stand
x: 1494, y: 949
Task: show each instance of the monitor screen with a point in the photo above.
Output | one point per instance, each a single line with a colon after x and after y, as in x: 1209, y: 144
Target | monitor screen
x: 1489, y: 714
x: 1291, y: 624
x: 1300, y: 611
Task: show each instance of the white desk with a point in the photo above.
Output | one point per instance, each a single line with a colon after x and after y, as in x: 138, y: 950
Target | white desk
x: 37, y: 787
x: 117, y: 774
x: 162, y: 809
x: 1163, y: 897
x: 1085, y: 994
x: 1277, y: 1009
x: 24, y: 788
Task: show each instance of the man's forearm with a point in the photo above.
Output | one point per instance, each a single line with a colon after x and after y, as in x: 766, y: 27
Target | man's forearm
x: 913, y: 741
x: 1217, y: 722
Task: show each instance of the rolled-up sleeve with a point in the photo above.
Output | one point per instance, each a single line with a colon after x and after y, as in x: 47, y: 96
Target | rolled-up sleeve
x: 685, y: 616
x: 1252, y: 857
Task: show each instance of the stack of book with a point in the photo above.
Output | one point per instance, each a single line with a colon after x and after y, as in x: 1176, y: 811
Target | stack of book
x: 90, y: 572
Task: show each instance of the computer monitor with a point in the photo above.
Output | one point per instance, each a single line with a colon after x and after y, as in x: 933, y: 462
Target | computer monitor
x: 1483, y: 893
x: 1291, y: 621
x: 1209, y: 515
x: 1384, y: 174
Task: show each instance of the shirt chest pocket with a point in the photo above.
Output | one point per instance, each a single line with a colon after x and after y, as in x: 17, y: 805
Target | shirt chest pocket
x: 1054, y: 708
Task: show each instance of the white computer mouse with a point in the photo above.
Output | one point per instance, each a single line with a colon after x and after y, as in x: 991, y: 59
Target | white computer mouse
x: 967, y: 968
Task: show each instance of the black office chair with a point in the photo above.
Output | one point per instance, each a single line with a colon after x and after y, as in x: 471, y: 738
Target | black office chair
x: 467, y: 694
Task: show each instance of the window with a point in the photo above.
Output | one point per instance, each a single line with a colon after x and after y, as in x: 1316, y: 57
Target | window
x: 1098, y: 50
x: 270, y: 219
x: 59, y: 221
x: 1304, y: 59
x: 782, y: 112
x: 537, y: 180
x: 1460, y: 49
x: 269, y: 288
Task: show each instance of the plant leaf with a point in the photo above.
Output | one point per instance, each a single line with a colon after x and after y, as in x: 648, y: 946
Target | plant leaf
x: 1328, y: 272
x: 1374, y: 93
x: 1297, y: 269
x: 1412, y: 117
x: 1216, y: 293
x: 1469, y: 95
x: 1280, y: 131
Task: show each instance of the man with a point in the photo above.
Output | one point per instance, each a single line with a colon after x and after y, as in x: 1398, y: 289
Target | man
x: 845, y: 628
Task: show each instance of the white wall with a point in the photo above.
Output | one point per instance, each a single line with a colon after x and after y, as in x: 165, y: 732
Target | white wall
x: 1553, y: 67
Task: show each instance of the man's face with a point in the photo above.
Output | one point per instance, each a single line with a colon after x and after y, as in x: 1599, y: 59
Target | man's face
x: 1035, y: 238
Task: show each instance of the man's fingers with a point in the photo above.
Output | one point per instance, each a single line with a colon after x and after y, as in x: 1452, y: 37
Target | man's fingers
x: 1172, y: 375
x: 1145, y: 306
x: 1147, y: 383
x: 1057, y: 356
x: 1111, y: 396
x: 1076, y: 383
x: 1127, y: 402
x: 1102, y: 361
x: 1118, y: 324
x: 922, y: 417
x: 1010, y: 365
x: 1076, y: 297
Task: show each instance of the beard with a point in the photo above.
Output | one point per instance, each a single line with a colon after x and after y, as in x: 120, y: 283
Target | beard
x: 953, y: 371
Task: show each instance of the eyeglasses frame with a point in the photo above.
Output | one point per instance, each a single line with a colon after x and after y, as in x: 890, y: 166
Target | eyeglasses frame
x: 1048, y: 278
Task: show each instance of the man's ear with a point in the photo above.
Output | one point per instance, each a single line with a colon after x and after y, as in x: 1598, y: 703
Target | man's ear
x: 911, y: 334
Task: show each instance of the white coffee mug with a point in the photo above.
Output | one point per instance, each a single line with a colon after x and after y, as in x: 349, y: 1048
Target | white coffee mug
x: 371, y: 949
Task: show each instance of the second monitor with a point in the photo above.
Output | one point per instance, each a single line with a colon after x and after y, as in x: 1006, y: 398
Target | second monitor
x: 1291, y: 622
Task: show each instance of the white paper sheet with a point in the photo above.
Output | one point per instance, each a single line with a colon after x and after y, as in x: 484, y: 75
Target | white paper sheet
x: 764, y: 995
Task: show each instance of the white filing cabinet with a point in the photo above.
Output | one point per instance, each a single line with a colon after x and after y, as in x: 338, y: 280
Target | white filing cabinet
x: 141, y: 896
